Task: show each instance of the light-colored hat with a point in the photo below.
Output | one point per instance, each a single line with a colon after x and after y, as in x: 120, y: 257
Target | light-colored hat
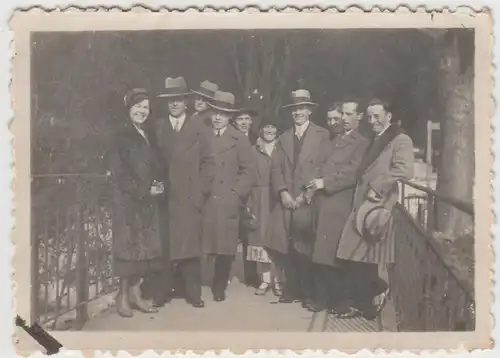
x: 301, y: 97
x: 207, y: 89
x: 372, y: 219
x: 175, y: 87
x: 223, y: 101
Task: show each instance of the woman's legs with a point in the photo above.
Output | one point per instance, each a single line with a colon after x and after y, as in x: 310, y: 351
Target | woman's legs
x: 264, y: 270
x: 123, y: 298
x: 135, y: 296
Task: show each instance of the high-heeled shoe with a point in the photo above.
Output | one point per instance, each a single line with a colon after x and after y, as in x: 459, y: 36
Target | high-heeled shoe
x: 137, y: 302
x: 122, y: 300
x: 278, y: 290
x: 263, y: 288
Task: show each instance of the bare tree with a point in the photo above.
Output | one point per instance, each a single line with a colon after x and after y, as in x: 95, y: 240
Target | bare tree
x: 456, y: 169
x: 262, y: 62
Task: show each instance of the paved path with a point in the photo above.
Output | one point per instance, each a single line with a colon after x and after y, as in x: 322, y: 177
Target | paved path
x: 242, y: 311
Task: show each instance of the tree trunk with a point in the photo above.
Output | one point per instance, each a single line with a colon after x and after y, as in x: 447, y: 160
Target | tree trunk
x: 456, y: 170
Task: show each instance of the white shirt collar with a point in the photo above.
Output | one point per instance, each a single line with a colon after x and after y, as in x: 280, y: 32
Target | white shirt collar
x: 300, y: 130
x: 348, y: 132
x: 222, y: 130
x: 175, y: 120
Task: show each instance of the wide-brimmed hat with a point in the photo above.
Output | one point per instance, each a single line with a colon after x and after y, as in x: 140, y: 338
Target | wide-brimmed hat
x: 223, y: 101
x: 207, y: 89
x: 301, y: 97
x: 372, y: 219
x: 174, y: 87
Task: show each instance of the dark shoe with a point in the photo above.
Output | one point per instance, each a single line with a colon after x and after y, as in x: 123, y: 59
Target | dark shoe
x: 288, y: 299
x: 199, y: 303
x: 219, y: 297
x: 307, y: 302
x: 374, y: 311
x: 160, y: 302
x: 351, y: 312
x: 315, y: 307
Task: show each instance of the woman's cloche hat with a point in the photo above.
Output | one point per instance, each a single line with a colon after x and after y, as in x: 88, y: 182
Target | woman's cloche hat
x: 301, y: 97
x: 175, y: 87
x: 207, y: 89
x: 134, y: 96
x: 223, y: 101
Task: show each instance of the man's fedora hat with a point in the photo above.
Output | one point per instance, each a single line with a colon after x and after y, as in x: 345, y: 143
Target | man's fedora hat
x: 301, y: 97
x: 207, y: 89
x: 175, y: 87
x: 372, y: 219
x: 223, y: 101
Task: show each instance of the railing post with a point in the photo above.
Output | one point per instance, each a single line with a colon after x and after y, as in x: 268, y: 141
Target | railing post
x: 81, y: 263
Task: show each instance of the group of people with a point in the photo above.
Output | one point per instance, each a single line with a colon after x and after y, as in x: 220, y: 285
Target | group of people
x: 312, y: 205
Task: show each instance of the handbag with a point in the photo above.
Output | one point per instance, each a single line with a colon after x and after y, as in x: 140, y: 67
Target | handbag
x: 249, y: 219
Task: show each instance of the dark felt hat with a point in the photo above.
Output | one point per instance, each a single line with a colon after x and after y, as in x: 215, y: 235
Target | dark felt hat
x: 175, y: 87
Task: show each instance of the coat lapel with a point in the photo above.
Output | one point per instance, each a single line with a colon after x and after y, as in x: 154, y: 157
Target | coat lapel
x: 377, y: 147
x: 228, y: 140
x: 311, y: 142
x: 187, y: 137
x: 286, y: 142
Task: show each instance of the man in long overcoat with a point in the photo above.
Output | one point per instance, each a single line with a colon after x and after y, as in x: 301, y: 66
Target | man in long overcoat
x: 294, y: 162
x: 388, y: 159
x: 185, y: 149
x: 333, y: 203
x: 234, y: 169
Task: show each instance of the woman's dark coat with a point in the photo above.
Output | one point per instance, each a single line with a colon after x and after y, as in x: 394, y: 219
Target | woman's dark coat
x: 134, y: 166
x: 259, y: 200
x: 333, y: 204
x: 234, y: 168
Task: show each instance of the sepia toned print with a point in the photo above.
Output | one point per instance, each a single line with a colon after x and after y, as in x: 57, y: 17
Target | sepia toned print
x: 253, y: 181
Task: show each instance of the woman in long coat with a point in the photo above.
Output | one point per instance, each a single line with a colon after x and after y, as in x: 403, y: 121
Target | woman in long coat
x: 136, y: 240
x: 260, y: 204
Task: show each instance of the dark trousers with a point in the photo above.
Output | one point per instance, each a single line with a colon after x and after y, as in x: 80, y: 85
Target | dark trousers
x: 222, y: 270
x: 190, y: 272
x: 362, y: 283
x: 330, y: 286
x: 299, y: 276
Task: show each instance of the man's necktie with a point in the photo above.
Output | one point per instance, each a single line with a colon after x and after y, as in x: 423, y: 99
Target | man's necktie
x: 178, y: 125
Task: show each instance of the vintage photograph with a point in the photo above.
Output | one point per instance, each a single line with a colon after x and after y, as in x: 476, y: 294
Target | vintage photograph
x: 253, y: 179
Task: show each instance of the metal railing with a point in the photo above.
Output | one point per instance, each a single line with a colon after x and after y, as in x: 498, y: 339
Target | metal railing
x: 71, y: 221
x: 430, y: 291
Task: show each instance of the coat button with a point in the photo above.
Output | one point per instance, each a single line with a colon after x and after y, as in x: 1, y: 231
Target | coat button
x: 221, y: 181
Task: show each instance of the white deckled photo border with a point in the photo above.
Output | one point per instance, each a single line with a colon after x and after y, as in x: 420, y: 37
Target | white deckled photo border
x: 142, y: 19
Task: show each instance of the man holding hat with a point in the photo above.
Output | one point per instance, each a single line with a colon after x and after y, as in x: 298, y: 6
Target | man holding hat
x: 367, y: 242
x: 203, y: 95
x: 185, y: 151
x: 234, y: 169
x: 298, y: 154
